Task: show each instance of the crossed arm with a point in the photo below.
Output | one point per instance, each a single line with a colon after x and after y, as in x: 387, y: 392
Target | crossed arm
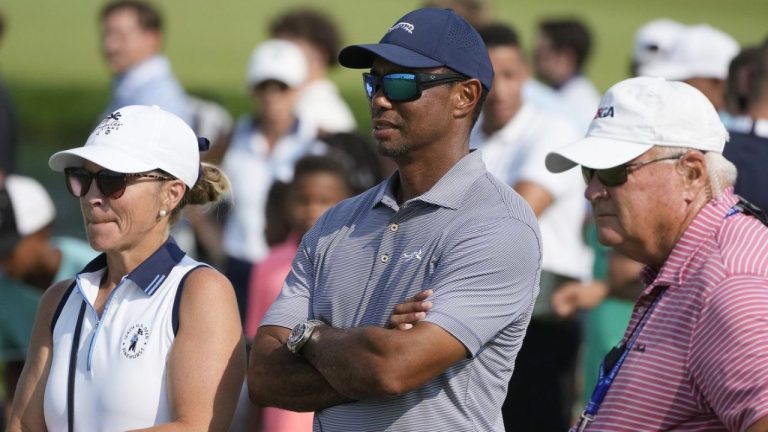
x: 343, y: 365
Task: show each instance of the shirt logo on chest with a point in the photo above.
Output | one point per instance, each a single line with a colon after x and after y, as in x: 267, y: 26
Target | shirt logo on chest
x: 134, y: 341
x: 409, y: 256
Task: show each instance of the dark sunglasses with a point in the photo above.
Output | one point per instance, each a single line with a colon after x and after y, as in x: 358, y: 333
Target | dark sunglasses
x: 405, y: 87
x: 617, y: 175
x: 111, y: 184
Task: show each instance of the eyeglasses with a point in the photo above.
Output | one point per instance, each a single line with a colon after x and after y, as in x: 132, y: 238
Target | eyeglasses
x: 111, y: 184
x: 617, y: 175
x: 405, y: 87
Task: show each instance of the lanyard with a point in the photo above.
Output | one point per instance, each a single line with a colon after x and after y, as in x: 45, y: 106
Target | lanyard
x: 604, y: 379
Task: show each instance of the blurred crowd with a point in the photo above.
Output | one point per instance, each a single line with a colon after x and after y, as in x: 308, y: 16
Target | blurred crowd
x: 298, y: 151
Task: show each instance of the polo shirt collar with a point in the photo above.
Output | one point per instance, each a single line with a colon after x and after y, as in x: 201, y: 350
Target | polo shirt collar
x: 448, y: 192
x: 703, y: 226
x: 150, y: 274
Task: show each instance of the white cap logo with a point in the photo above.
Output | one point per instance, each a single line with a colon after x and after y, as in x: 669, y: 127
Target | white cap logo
x: 402, y: 25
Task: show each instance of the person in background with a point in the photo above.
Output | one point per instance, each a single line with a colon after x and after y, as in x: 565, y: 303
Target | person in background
x: 442, y: 231
x: 694, y: 355
x: 144, y: 336
x: 653, y: 42
x: 700, y: 56
x: 31, y: 259
x: 131, y: 42
x: 560, y: 54
x: 265, y: 147
x: 319, y: 183
x: 318, y: 37
x: 514, y: 136
x: 740, y: 89
x: 748, y: 147
x: 9, y: 125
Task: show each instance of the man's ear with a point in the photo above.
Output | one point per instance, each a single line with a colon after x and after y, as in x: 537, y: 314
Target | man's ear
x: 693, y: 167
x: 466, y: 97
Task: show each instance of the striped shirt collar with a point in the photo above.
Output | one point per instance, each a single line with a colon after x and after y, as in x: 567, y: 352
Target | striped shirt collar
x: 448, y: 192
x: 151, y: 273
x: 703, y: 226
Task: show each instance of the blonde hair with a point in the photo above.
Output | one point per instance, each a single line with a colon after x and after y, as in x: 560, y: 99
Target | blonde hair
x: 722, y: 172
x: 211, y: 187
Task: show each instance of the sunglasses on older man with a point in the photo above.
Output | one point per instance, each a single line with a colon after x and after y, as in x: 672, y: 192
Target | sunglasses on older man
x: 111, y: 184
x: 405, y: 87
x: 617, y: 175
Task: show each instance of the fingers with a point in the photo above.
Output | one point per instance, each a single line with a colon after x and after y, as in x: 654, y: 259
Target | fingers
x: 414, y: 309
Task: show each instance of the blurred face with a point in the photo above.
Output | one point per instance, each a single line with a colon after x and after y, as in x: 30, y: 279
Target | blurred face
x: 121, y: 224
x: 124, y: 43
x: 24, y: 257
x: 505, y: 98
x: 642, y: 216
x: 274, y: 101
x: 552, y: 67
x: 400, y: 128
x: 314, y: 194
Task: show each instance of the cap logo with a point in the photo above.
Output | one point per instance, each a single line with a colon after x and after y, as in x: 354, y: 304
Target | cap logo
x: 110, y: 123
x: 604, y: 112
x: 403, y: 25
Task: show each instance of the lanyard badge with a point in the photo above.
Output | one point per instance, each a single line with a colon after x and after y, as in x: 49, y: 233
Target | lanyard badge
x: 609, y: 368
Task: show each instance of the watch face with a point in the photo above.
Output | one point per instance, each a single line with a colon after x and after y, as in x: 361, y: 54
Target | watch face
x: 296, y: 336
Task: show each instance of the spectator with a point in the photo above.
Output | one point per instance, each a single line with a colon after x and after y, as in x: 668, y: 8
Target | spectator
x: 560, y: 55
x: 740, y: 86
x: 119, y: 347
x: 700, y: 57
x: 265, y: 146
x: 441, y: 228
x: 131, y: 41
x: 319, y: 182
x: 514, y: 136
x: 653, y: 42
x: 476, y: 12
x: 318, y: 37
x: 748, y: 147
x: 694, y: 356
x: 31, y: 259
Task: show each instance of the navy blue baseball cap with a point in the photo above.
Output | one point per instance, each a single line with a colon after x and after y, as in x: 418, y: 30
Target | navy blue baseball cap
x: 427, y: 38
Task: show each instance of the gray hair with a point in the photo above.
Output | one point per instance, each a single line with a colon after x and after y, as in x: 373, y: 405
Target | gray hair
x: 722, y: 172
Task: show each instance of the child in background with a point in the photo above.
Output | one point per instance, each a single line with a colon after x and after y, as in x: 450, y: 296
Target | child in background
x: 319, y: 183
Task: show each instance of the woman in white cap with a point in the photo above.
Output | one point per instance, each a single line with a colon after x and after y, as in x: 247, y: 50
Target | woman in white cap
x: 145, y: 335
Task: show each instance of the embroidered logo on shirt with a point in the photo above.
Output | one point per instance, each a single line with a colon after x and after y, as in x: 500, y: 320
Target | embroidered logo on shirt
x: 409, y: 256
x: 109, y: 124
x: 134, y: 341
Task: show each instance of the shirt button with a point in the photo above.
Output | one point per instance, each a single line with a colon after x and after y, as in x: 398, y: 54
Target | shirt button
x: 384, y: 258
x: 640, y: 309
x: 393, y: 227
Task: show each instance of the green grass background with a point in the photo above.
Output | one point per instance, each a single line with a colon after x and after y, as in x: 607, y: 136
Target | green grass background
x: 50, y: 56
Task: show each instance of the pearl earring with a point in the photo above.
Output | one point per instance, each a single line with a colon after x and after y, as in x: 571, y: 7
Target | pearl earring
x: 163, y: 213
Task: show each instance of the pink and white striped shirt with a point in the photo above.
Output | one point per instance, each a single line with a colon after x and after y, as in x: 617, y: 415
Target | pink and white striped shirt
x: 701, y: 361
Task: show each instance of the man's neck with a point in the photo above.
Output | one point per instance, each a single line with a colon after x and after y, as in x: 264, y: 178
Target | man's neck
x: 417, y: 175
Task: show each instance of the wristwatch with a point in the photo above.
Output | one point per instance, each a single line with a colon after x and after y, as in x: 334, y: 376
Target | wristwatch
x: 301, y: 334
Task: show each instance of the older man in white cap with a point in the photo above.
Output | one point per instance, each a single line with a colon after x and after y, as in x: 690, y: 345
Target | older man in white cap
x: 700, y: 57
x: 695, y: 354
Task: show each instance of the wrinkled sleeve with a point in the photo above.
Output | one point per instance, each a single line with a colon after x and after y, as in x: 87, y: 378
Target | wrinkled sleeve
x: 486, y: 281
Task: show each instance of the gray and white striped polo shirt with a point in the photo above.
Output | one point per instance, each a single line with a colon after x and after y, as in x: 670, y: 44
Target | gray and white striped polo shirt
x: 474, y: 241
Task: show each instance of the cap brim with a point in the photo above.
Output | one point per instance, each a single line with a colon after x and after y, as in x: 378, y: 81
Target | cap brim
x: 109, y: 157
x: 594, y: 152
x: 362, y: 56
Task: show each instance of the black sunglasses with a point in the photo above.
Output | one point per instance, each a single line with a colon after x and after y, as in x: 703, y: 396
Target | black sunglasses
x: 617, y: 175
x: 111, y: 184
x: 405, y: 87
